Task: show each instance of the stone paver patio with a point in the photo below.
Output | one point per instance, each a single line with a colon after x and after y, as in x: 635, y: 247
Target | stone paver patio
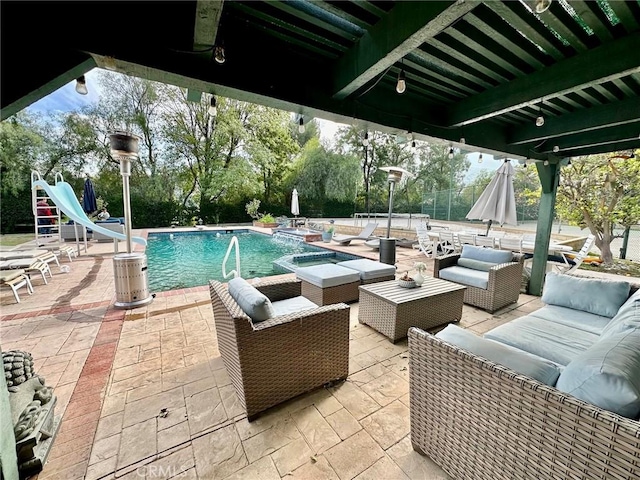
x: 144, y: 393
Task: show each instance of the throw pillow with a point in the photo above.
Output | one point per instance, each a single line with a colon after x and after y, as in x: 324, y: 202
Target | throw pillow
x: 486, y: 254
x: 520, y: 361
x: 627, y: 318
x: 593, y: 295
x: 475, y: 264
x: 252, y: 302
x: 607, y: 374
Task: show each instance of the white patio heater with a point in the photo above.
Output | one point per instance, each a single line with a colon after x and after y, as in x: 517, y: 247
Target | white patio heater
x: 388, y: 245
x: 129, y: 269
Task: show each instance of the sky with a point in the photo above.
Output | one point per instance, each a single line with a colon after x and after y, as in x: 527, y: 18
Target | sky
x: 66, y: 99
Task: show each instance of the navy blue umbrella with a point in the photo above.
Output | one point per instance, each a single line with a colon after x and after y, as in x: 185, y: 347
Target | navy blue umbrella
x: 89, y: 203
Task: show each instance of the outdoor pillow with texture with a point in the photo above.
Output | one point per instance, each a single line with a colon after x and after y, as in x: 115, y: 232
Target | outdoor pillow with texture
x: 486, y: 254
x: 627, y: 318
x: 600, y: 297
x: 475, y: 264
x: 607, y: 374
x: 252, y: 302
x: 520, y: 361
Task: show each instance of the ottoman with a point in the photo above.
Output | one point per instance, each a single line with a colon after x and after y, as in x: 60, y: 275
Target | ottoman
x: 328, y: 284
x: 370, y: 270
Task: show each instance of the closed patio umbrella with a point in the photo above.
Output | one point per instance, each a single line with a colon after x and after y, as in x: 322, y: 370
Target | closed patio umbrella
x: 89, y: 203
x: 497, y: 203
x: 295, y: 206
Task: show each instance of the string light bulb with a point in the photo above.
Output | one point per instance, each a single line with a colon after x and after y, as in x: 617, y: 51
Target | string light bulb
x: 450, y: 153
x: 401, y: 86
x: 556, y: 149
x: 480, y: 158
x: 546, y: 163
x: 463, y: 140
x: 219, y: 54
x: 542, y: 6
x: 301, y: 125
x: 213, y: 110
x: 365, y: 141
x: 81, y: 85
x: 540, y: 119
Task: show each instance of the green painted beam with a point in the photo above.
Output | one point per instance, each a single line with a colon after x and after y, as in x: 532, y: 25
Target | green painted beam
x: 205, y: 27
x: 605, y: 148
x: 194, y: 95
x: 584, y: 120
x: 604, y: 63
x: 406, y: 27
x: 604, y: 136
x: 549, y: 176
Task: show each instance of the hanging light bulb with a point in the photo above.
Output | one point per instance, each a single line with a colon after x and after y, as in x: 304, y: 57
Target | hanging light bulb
x: 365, y: 141
x: 480, y: 158
x: 218, y: 54
x: 556, y: 149
x: 401, y: 86
x: 463, y: 140
x: 213, y: 110
x: 301, y: 125
x: 450, y: 153
x: 546, y: 163
x: 542, y: 6
x: 81, y: 85
x: 540, y: 119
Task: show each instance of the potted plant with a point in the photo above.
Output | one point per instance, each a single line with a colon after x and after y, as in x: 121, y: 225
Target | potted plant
x: 327, y: 235
x: 263, y: 220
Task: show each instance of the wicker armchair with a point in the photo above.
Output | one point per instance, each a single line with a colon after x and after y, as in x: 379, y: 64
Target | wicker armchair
x: 277, y: 359
x: 478, y: 419
x: 504, y: 283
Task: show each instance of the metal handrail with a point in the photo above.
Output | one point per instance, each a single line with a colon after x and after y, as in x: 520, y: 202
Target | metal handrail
x: 236, y: 272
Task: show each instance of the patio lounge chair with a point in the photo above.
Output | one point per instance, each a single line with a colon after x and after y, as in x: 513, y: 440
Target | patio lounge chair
x: 42, y: 255
x: 15, y: 279
x: 572, y: 260
x: 365, y: 234
x: 300, y: 348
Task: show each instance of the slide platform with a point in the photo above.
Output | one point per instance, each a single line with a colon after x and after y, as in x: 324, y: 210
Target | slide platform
x: 64, y: 197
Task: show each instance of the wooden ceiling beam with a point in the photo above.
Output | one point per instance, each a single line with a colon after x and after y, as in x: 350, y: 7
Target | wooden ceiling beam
x: 605, y: 136
x: 585, y: 120
x: 205, y: 28
x: 604, y: 148
x: 604, y: 63
x: 405, y: 28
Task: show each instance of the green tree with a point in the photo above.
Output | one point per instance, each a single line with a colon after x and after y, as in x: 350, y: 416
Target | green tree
x: 600, y: 192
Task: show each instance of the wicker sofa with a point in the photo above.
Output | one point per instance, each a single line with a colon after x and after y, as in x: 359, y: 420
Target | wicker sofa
x: 481, y: 419
x: 492, y: 277
x: 279, y: 358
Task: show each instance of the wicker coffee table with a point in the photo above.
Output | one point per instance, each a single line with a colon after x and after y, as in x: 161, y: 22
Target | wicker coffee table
x: 391, y: 309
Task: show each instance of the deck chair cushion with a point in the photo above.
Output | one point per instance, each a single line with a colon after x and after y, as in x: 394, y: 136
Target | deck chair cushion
x: 486, y: 254
x: 607, y: 374
x: 593, y: 295
x: 627, y: 318
x: 369, y: 269
x: 8, y: 275
x: 254, y: 303
x: 523, y: 362
x: 292, y: 305
x: 476, y: 264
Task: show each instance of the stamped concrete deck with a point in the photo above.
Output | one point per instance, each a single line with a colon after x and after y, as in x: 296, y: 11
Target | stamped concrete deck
x: 144, y: 393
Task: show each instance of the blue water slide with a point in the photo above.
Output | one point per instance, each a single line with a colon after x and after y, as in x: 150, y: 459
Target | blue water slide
x: 64, y: 197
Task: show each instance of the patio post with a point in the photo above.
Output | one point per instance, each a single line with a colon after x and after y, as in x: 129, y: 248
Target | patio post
x: 549, y: 178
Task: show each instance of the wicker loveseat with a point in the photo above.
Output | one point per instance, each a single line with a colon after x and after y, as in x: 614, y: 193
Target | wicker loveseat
x: 491, y: 283
x: 480, y: 419
x: 279, y: 358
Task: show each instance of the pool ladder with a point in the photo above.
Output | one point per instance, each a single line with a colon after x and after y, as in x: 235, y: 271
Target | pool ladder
x: 236, y: 272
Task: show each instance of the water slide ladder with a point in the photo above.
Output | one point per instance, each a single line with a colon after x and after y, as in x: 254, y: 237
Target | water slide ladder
x: 236, y: 272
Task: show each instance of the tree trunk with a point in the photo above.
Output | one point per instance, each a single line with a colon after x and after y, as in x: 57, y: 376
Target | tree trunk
x: 605, y: 251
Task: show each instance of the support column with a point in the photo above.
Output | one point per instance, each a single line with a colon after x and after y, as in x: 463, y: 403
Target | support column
x: 549, y: 176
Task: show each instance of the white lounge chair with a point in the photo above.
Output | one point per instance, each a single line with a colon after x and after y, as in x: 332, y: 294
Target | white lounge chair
x: 426, y: 244
x: 364, y: 235
x: 573, y: 259
x: 15, y: 279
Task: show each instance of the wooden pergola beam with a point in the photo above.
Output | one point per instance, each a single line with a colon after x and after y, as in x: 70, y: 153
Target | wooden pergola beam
x: 405, y: 28
x: 587, y: 140
x: 604, y: 63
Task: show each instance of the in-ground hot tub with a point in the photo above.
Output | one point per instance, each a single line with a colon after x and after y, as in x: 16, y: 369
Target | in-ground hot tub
x: 306, y: 235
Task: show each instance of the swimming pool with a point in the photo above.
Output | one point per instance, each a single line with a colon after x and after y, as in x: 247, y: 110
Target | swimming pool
x: 189, y: 259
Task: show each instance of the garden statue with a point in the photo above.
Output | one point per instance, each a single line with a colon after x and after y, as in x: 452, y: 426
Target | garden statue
x: 32, y: 405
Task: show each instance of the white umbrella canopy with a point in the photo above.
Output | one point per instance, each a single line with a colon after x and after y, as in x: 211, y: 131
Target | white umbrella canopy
x: 497, y: 203
x: 295, y: 206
